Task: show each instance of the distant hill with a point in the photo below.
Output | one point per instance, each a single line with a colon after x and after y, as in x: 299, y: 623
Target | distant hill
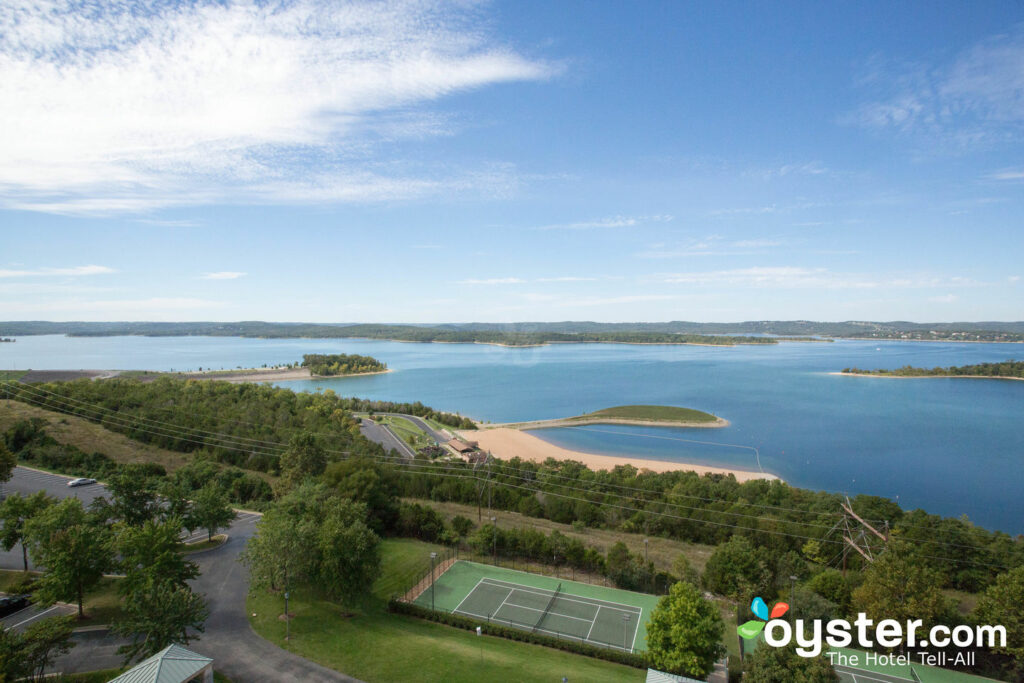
x: 527, y: 333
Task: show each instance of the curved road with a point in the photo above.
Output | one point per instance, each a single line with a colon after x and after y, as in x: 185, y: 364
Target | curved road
x: 235, y: 648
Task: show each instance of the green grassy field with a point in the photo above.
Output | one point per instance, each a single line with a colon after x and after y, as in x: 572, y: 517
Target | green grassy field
x: 406, y: 431
x: 659, y: 413
x: 371, y: 644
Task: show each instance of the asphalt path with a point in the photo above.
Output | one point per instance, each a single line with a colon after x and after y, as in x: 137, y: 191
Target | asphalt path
x: 385, y: 437
x: 235, y: 648
x: 422, y: 424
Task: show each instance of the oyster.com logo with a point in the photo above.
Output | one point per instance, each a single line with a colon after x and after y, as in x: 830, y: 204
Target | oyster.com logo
x: 751, y: 628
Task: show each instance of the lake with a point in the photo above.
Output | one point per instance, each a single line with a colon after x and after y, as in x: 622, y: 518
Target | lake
x: 950, y: 446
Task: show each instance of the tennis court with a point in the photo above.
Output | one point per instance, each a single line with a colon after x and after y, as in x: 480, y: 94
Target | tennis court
x: 598, y: 622
x: 594, y: 614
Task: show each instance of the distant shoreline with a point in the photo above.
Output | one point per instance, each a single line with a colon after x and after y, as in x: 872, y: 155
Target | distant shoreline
x: 577, y: 421
x: 891, y: 376
x: 508, y: 443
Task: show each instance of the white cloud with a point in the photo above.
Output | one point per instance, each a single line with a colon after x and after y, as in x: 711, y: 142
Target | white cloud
x: 1006, y: 175
x: 494, y: 281
x: 128, y: 107
x: 790, y: 277
x: 609, y: 222
x: 223, y: 275
x: 945, y: 299
x: 567, y: 278
x: 138, y: 309
x: 42, y: 272
x: 711, y: 245
x: 977, y: 98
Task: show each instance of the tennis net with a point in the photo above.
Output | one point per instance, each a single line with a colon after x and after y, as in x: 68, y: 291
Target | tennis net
x: 547, y: 609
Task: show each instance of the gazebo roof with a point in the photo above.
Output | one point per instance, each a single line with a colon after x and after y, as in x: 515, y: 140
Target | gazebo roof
x: 173, y: 664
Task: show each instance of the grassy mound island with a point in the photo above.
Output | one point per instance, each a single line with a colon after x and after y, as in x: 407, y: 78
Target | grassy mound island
x: 648, y: 416
x: 1006, y: 370
x: 335, y: 364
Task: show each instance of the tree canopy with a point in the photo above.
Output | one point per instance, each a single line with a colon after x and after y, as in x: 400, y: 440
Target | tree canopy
x: 684, y: 635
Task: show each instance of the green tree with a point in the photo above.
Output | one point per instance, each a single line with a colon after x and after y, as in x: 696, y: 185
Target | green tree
x: 349, y: 559
x: 74, y: 550
x: 158, y: 616
x: 7, y: 463
x: 176, y: 496
x: 134, y: 494
x: 784, y: 665
x: 366, y: 481
x: 684, y: 635
x: 150, y: 554
x: 303, y: 458
x: 736, y: 570
x: 278, y: 553
x: 15, y: 511
x: 682, y: 568
x: 26, y: 655
x: 462, y: 525
x: 211, y: 510
x: 1000, y: 604
x: 898, y: 585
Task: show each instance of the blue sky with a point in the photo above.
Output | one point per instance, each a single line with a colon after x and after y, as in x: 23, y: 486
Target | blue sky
x: 504, y: 161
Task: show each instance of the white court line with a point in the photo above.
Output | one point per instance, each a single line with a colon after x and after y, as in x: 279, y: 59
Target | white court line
x: 503, y: 601
x: 467, y: 596
x: 593, y: 622
x: 870, y: 678
x: 593, y: 602
x: 34, y: 616
x: 636, y: 629
x: 557, y: 634
x: 557, y: 614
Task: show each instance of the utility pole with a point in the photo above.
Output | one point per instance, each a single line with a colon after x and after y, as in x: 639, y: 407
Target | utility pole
x: 433, y: 556
x: 494, y: 540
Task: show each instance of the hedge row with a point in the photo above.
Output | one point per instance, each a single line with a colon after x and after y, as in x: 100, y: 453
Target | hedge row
x: 458, y: 621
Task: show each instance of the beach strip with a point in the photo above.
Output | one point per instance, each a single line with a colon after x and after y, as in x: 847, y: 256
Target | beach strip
x: 507, y: 443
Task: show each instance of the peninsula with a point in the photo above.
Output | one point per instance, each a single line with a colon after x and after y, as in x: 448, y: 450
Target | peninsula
x: 1006, y: 370
x: 641, y: 415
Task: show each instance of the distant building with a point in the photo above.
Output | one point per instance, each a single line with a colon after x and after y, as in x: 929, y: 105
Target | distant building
x: 460, y: 447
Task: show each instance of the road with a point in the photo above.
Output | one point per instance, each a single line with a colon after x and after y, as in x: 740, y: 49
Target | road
x: 235, y: 648
x: 437, y: 436
x: 385, y: 437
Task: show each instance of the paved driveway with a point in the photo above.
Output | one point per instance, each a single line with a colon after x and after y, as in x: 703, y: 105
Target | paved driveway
x: 235, y: 648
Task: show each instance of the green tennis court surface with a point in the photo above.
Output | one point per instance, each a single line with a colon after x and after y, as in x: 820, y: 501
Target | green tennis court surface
x: 598, y: 615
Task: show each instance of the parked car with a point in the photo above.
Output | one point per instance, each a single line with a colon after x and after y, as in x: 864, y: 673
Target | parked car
x: 81, y: 481
x: 14, y: 603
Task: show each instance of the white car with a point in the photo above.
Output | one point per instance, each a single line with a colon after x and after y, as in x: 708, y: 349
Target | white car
x: 81, y: 481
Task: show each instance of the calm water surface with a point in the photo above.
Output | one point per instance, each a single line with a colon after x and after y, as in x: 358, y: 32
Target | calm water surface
x: 951, y: 446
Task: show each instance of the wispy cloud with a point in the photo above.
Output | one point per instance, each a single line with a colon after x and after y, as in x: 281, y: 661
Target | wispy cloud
x: 711, y: 245
x: 609, y: 222
x: 791, y: 277
x: 212, y: 101
x: 566, y: 278
x: 141, y: 309
x: 977, y: 98
x: 44, y: 272
x: 1009, y: 174
x: 223, y: 275
x: 493, y: 281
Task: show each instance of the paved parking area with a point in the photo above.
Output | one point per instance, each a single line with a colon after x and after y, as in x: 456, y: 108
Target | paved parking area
x: 21, y: 620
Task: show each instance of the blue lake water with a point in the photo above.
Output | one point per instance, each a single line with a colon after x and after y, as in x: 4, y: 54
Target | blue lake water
x: 950, y: 446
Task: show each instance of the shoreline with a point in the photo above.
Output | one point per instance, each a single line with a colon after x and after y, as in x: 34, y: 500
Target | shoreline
x: 277, y: 375
x: 508, y: 443
x: 719, y: 422
x: 889, y: 376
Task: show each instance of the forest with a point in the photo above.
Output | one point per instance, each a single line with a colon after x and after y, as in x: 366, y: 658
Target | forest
x: 330, y: 365
x: 1009, y: 368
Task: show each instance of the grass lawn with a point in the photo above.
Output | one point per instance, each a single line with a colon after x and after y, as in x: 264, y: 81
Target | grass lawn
x: 662, y: 551
x: 218, y: 540
x: 660, y: 413
x: 406, y: 430
x: 102, y: 604
x: 90, y: 437
x: 373, y: 645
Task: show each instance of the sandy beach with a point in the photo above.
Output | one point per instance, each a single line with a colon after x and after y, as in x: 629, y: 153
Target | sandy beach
x: 512, y: 443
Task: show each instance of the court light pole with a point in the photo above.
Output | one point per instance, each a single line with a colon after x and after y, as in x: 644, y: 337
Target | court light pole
x: 646, y: 561
x: 287, y: 619
x: 433, y: 556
